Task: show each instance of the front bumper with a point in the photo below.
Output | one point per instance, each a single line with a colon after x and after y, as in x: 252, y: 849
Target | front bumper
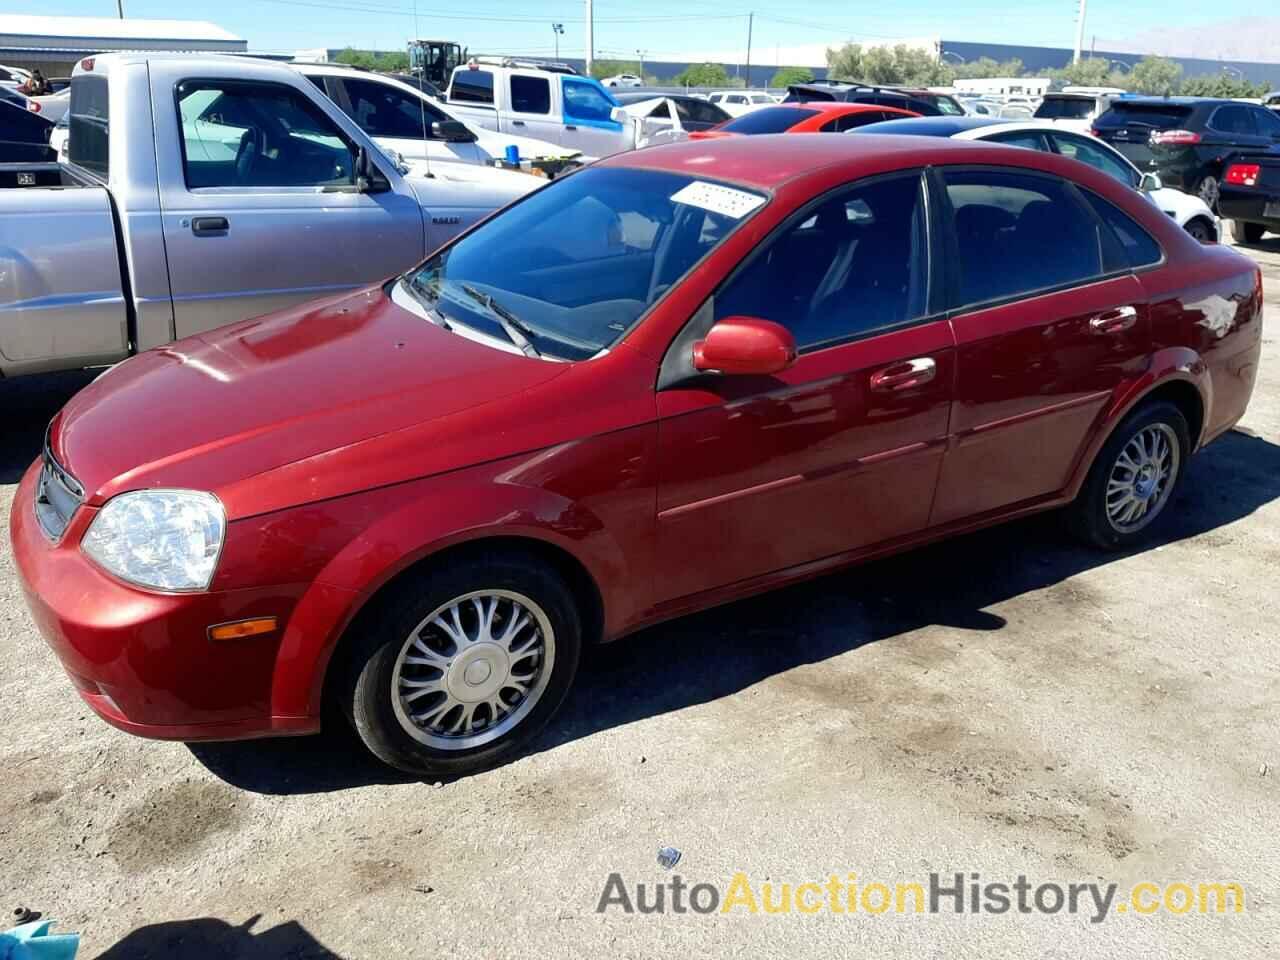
x: 143, y: 661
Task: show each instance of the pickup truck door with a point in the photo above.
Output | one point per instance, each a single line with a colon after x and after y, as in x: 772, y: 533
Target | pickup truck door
x: 259, y: 203
x: 588, y: 124
x: 529, y: 100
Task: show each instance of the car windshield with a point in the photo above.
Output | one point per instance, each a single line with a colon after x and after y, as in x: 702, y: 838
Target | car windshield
x: 768, y: 120
x: 565, y: 273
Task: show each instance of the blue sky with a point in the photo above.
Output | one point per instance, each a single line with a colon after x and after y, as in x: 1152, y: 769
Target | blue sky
x: 662, y: 28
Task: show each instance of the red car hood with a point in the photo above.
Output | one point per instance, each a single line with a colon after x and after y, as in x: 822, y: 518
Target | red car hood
x: 218, y: 408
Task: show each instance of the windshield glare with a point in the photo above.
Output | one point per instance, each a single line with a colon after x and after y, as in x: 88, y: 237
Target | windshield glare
x: 578, y: 262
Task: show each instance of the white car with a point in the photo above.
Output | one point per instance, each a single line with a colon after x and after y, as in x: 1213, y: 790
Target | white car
x: 737, y: 102
x: 1073, y: 111
x: 1187, y: 210
x: 405, y: 121
x: 623, y: 80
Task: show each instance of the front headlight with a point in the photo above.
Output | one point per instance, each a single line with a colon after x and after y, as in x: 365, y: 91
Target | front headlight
x: 162, y: 539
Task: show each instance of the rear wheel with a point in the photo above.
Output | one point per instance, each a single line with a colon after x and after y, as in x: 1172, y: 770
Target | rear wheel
x: 459, y: 667
x: 1208, y: 190
x: 1244, y: 232
x: 1134, y: 477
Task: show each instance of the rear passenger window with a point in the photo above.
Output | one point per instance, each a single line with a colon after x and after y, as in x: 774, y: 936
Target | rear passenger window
x: 1140, y: 248
x: 530, y: 94
x: 1019, y: 233
x: 1233, y: 119
x: 856, y: 264
x: 472, y: 86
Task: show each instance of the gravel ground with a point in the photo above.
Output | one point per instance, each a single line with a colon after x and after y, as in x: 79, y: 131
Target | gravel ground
x: 1007, y: 703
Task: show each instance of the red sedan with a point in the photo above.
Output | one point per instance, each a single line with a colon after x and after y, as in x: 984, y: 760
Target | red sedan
x: 678, y: 377
x: 815, y: 117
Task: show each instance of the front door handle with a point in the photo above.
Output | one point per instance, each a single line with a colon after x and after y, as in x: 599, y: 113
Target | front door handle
x: 570, y: 126
x: 209, y: 226
x: 1114, y: 321
x: 905, y: 375
x: 517, y: 123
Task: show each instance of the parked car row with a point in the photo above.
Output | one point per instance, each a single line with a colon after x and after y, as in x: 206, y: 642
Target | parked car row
x: 679, y: 376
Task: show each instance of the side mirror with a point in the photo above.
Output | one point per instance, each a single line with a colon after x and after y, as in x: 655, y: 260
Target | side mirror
x: 452, y: 131
x: 1150, y: 182
x: 369, y: 178
x: 620, y: 115
x: 745, y: 345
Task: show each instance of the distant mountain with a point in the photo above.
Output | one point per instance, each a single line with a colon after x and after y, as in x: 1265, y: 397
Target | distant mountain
x: 1254, y: 39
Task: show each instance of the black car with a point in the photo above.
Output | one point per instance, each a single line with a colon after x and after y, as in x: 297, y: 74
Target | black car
x: 695, y: 113
x: 924, y: 102
x: 1251, y: 195
x: 1187, y: 140
x: 24, y: 136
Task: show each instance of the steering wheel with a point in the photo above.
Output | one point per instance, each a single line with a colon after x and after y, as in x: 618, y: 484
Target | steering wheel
x: 247, y: 155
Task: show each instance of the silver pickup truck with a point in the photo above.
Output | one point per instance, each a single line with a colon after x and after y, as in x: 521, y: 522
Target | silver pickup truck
x: 202, y: 190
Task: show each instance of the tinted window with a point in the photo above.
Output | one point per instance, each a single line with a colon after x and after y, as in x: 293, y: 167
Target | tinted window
x: 1157, y: 116
x: 1268, y: 122
x: 1064, y: 108
x: 237, y: 134
x: 856, y: 264
x: 472, y: 86
x: 662, y: 111
x: 89, y: 123
x: 851, y: 121
x: 382, y: 110
x: 769, y: 120
x: 583, y: 258
x: 1018, y: 233
x: 699, y: 111
x: 585, y: 101
x: 1028, y: 140
x: 1233, y: 119
x: 948, y: 107
x: 1097, y: 156
x: 530, y: 94
x: 1139, y: 247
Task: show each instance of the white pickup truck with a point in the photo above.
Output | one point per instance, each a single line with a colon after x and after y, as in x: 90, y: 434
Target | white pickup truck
x: 201, y: 190
x: 544, y: 101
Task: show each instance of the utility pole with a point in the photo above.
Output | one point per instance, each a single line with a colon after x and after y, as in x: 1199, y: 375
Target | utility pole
x: 591, y: 46
x: 557, y: 29
x: 1080, y: 30
x: 750, y: 23
x: 640, y: 54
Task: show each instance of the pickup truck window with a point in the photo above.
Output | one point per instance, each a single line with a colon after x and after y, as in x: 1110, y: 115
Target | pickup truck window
x: 585, y: 101
x: 89, y: 123
x: 472, y: 86
x: 246, y: 134
x: 577, y: 263
x: 530, y: 94
x: 382, y: 110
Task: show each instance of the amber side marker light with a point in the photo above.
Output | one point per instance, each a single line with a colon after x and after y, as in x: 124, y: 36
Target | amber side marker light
x: 239, y: 629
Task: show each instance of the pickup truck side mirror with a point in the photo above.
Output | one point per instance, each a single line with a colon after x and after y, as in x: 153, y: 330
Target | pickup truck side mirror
x: 452, y: 131
x: 619, y: 115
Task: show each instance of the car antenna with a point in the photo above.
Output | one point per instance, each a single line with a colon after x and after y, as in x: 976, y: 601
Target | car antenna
x: 422, y: 104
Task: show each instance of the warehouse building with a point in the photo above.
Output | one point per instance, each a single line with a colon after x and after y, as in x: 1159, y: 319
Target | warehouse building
x: 55, y: 44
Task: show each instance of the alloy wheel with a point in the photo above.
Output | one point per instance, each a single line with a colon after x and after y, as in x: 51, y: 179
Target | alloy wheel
x: 1142, y: 477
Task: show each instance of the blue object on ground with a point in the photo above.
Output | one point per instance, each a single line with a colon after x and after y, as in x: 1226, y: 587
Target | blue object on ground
x: 33, y: 941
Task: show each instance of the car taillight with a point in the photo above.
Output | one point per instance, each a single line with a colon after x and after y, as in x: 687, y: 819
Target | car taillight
x: 1169, y: 138
x: 33, y: 106
x: 1243, y: 174
x: 87, y: 63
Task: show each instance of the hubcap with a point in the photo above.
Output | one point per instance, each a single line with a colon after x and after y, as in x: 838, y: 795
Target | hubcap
x: 473, y: 669
x: 1142, y: 478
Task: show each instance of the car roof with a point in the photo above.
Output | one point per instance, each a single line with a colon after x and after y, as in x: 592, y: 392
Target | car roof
x: 767, y: 161
x: 931, y: 126
x: 1176, y: 101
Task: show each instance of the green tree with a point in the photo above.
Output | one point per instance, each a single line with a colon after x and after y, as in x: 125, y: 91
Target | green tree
x: 1089, y: 72
x: 786, y: 76
x: 702, y: 75
x: 985, y: 67
x: 385, y: 62
x: 898, y: 64
x: 611, y: 68
x: 1221, y: 85
x: 1154, y: 75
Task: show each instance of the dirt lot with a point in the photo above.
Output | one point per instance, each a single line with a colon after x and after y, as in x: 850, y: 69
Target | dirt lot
x: 1004, y: 704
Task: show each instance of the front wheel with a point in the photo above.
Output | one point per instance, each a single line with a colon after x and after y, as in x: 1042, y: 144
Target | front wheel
x: 1208, y: 190
x: 1243, y: 232
x: 461, y: 666
x: 1133, y: 478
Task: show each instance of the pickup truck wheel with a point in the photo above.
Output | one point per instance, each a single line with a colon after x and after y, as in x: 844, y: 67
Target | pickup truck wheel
x: 1243, y: 232
x: 1209, y: 190
x: 460, y: 667
x: 1133, y: 478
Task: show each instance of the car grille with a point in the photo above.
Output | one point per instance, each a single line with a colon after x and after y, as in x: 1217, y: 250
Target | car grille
x: 57, y: 495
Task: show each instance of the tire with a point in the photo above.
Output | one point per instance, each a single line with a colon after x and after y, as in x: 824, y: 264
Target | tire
x: 1208, y: 189
x: 1244, y: 232
x: 1090, y: 516
x: 1201, y: 231
x: 382, y: 690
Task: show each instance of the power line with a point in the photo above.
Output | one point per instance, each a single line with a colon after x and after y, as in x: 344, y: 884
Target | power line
x: 440, y: 15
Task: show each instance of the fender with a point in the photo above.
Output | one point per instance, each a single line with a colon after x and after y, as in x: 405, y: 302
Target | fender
x: 1168, y: 365
x: 485, y: 502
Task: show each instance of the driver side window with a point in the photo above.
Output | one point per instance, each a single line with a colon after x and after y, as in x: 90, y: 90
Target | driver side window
x: 245, y: 134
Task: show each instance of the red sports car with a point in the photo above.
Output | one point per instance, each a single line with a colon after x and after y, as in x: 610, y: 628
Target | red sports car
x: 816, y: 117
x: 680, y: 376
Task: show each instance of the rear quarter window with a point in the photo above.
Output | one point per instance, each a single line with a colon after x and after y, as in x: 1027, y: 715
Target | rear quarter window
x: 1139, y: 247
x: 90, y: 115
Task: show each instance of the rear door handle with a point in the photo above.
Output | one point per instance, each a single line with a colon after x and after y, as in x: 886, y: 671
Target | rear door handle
x: 905, y: 375
x: 517, y: 123
x: 1114, y: 321
x: 570, y: 126
x: 209, y: 226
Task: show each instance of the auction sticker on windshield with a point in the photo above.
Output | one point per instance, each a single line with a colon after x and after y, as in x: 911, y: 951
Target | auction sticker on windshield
x: 725, y: 201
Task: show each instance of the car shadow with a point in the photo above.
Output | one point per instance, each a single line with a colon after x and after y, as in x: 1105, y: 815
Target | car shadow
x: 29, y: 403
x: 720, y: 652
x: 207, y: 938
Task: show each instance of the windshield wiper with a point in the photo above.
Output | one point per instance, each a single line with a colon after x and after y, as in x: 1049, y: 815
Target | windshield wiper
x: 428, y: 301
x: 515, y: 329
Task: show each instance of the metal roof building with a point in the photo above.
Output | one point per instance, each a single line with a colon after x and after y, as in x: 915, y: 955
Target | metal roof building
x: 54, y: 44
